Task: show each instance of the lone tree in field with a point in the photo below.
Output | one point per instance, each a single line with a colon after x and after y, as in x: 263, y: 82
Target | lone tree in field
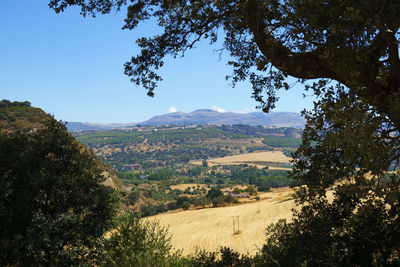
x: 345, y: 52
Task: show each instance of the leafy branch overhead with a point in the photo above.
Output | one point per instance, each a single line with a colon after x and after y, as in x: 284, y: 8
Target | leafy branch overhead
x: 351, y: 141
x: 352, y: 42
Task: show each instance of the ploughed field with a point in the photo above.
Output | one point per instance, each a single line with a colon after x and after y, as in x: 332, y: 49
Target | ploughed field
x: 211, y: 228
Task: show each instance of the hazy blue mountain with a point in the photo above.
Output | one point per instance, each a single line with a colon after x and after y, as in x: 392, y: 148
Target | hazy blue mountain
x: 86, y: 126
x: 205, y: 116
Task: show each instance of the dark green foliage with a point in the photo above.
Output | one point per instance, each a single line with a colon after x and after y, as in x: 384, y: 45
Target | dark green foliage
x: 138, y: 243
x: 53, y: 206
x: 185, y: 205
x: 167, y: 135
x: 6, y: 104
x: 225, y: 257
x: 251, y: 190
x: 172, y: 205
x: 360, y: 226
x: 180, y: 200
x: 259, y: 131
x: 179, y: 146
x: 216, y: 196
x: 353, y: 130
x: 220, y: 181
x: 148, y: 210
x: 133, y: 197
x: 237, y: 190
x: 160, y: 175
x: 281, y: 141
x: 259, y: 177
x: 195, y: 171
x: 129, y: 176
x: 214, y: 193
x: 263, y: 188
x: 201, y: 201
x: 204, y: 163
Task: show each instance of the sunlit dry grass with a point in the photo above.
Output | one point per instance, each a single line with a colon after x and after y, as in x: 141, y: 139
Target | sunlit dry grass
x: 258, y: 159
x: 212, y: 228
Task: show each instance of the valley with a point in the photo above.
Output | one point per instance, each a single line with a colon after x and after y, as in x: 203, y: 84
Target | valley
x: 168, y: 146
x: 187, y: 168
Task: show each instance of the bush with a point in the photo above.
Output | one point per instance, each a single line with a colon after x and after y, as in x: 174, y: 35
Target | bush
x: 225, y: 257
x: 180, y: 200
x: 133, y: 197
x: 138, y: 243
x: 264, y: 188
x: 186, y: 205
x: 237, y: 190
x: 214, y: 193
x: 251, y: 190
x: 172, y: 205
x: 148, y: 210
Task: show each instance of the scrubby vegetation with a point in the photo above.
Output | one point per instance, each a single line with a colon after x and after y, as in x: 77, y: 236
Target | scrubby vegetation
x: 154, y: 147
x: 282, y: 141
x: 20, y: 117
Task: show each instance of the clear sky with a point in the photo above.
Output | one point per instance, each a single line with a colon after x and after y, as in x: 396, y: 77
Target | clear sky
x: 72, y: 67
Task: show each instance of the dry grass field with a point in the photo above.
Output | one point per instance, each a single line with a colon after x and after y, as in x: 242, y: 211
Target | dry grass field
x: 184, y: 186
x: 212, y: 228
x: 258, y: 159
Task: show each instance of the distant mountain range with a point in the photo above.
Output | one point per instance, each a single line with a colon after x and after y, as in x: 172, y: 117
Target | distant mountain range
x: 205, y: 116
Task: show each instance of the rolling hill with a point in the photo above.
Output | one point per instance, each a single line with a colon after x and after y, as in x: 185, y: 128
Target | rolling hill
x: 204, y: 116
x: 207, y: 116
x: 20, y: 117
x: 155, y: 146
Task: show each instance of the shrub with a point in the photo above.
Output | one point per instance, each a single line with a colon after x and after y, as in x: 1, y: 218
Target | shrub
x: 138, y: 243
x: 225, y: 257
x: 172, y: 205
x: 180, y: 200
x: 186, y: 205
x: 133, y: 197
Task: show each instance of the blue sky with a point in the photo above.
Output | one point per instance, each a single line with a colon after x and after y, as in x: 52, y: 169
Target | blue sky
x: 72, y: 67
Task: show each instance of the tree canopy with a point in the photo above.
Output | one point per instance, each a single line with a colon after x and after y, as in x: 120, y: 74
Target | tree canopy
x: 352, y: 42
x: 53, y: 205
x: 345, y: 52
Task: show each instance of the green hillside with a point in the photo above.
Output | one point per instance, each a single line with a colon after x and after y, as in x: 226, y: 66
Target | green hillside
x: 20, y: 117
x: 156, y: 146
x: 281, y: 141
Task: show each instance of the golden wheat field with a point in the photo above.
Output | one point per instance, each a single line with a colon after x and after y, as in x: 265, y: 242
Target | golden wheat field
x: 249, y: 158
x: 212, y: 228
